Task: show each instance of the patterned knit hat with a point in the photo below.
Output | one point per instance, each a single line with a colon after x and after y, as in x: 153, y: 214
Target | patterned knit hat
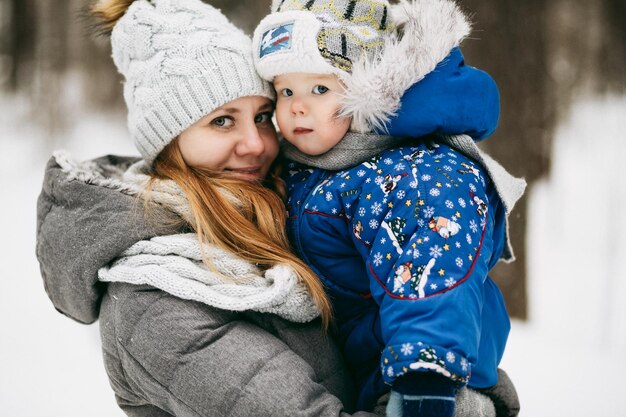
x: 181, y: 59
x: 378, y: 50
x: 319, y: 36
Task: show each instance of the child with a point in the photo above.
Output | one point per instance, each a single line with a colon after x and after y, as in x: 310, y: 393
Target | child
x: 402, y: 238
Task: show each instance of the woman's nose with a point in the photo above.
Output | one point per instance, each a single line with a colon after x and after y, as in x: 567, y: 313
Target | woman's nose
x: 251, y: 141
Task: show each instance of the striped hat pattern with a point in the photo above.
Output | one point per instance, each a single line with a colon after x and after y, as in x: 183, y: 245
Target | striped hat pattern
x: 320, y: 36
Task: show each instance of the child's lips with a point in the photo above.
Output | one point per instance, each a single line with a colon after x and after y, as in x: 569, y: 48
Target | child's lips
x: 302, y: 131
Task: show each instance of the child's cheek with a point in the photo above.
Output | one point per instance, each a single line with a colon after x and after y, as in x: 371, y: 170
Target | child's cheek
x: 342, y: 123
x: 281, y: 116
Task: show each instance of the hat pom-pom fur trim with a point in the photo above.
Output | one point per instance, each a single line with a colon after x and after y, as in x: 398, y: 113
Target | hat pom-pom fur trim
x: 430, y: 30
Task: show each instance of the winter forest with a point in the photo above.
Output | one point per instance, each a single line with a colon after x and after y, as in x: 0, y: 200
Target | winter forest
x: 560, y: 67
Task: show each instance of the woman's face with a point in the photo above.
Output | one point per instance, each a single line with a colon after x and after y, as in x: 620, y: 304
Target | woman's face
x: 238, y: 138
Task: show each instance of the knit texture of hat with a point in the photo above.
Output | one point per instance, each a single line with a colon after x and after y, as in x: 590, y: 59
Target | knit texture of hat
x: 181, y: 59
x: 319, y: 36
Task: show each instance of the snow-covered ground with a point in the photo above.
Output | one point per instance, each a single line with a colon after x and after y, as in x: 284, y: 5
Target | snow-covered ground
x: 566, y: 360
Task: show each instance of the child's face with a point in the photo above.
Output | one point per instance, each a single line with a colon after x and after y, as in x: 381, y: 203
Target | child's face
x: 306, y: 111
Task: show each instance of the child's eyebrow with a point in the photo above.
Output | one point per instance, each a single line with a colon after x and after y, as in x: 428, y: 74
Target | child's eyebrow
x: 323, y: 77
x: 317, y: 78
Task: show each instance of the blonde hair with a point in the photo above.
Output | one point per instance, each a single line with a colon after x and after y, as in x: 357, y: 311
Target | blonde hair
x: 109, y: 12
x: 251, y: 224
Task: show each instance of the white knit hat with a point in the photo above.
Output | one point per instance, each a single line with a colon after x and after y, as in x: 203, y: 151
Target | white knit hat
x: 181, y: 59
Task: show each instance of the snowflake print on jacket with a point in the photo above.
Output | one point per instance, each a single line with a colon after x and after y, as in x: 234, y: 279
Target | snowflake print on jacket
x: 403, y: 243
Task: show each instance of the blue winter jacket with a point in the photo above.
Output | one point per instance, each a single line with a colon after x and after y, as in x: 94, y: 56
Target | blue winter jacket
x: 403, y: 242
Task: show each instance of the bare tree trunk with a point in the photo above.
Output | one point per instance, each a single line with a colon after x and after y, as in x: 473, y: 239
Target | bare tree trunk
x: 47, y: 87
x: 22, y: 42
x: 39, y: 53
x: 90, y: 59
x: 7, y: 31
x: 511, y: 46
x: 613, y: 50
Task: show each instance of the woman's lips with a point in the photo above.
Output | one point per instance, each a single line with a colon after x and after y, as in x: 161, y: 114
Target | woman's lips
x: 301, y: 131
x: 248, y: 172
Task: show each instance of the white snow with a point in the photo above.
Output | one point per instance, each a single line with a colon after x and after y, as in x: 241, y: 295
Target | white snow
x: 566, y: 360
x: 49, y: 365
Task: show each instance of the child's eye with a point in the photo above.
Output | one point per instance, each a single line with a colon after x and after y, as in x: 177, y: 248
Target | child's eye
x: 263, y: 117
x: 285, y: 92
x: 320, y: 89
x: 222, y: 121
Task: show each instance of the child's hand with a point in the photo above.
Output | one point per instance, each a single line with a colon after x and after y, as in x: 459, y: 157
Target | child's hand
x: 421, y: 395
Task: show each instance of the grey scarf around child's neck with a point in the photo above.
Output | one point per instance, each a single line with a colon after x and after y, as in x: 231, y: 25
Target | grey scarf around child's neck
x: 352, y: 150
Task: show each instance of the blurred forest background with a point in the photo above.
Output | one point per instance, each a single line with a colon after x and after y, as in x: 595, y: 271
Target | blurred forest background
x: 543, y: 55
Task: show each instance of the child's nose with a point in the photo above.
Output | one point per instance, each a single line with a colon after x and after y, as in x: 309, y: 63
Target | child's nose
x: 298, y: 107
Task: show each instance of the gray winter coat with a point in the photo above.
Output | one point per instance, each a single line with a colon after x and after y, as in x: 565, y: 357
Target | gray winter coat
x: 165, y: 355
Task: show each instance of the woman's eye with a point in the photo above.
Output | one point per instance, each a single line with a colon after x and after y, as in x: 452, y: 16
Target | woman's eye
x: 263, y: 117
x: 285, y: 92
x: 222, y: 122
x: 320, y: 89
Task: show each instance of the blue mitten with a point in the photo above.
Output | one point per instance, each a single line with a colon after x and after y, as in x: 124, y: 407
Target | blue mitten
x: 421, y: 395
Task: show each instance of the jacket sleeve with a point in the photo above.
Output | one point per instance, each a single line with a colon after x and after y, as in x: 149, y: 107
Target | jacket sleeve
x: 453, y: 99
x: 188, y: 359
x: 422, y: 264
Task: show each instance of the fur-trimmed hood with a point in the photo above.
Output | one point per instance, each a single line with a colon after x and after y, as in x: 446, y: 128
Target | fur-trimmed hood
x: 427, y: 31
x: 86, y: 217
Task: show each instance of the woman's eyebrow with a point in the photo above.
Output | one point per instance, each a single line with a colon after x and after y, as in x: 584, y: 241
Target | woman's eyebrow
x: 230, y: 110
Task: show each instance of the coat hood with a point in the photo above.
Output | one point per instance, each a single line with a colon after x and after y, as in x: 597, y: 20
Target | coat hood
x: 428, y: 30
x: 86, y: 217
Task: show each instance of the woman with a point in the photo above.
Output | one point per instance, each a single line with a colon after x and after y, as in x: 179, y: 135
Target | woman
x: 189, y: 76
x: 203, y: 309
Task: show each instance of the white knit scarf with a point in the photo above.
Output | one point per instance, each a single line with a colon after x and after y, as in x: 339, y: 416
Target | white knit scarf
x: 175, y: 265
